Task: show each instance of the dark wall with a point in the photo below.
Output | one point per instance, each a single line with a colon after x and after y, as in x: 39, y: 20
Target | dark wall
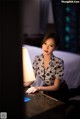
x: 11, y: 82
x: 67, y: 22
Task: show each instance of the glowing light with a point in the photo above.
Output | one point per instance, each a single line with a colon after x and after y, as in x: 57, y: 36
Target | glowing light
x: 68, y: 9
x: 67, y: 28
x: 67, y: 38
x: 28, y: 73
x: 67, y: 19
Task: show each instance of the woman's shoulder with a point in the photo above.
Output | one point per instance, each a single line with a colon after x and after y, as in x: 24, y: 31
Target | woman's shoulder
x: 58, y: 59
x: 37, y: 57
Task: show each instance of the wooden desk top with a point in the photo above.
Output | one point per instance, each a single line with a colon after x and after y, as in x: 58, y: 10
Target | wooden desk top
x: 40, y: 103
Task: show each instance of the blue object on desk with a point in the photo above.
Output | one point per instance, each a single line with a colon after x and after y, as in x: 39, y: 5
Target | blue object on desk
x: 26, y: 99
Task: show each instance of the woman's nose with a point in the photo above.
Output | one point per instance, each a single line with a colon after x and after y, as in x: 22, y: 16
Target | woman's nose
x: 47, y: 46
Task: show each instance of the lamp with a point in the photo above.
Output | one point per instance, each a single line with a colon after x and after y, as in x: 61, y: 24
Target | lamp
x: 28, y: 73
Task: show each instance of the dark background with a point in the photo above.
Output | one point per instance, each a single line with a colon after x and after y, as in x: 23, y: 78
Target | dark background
x: 11, y: 81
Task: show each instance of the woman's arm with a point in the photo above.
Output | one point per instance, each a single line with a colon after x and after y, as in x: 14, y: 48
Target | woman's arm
x: 53, y: 87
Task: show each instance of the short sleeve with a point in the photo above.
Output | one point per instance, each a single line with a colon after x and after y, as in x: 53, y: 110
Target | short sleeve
x: 60, y: 69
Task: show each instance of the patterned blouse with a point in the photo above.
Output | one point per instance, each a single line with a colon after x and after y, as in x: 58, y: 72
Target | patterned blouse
x: 54, y: 69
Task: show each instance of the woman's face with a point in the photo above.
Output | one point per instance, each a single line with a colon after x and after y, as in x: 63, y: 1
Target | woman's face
x: 48, y: 46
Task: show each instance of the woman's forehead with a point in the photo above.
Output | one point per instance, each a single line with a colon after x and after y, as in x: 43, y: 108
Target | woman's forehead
x: 52, y: 40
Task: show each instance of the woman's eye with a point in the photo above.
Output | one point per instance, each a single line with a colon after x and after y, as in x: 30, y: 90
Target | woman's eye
x: 51, y: 45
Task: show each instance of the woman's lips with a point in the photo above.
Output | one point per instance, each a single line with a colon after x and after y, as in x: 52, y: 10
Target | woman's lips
x: 46, y: 51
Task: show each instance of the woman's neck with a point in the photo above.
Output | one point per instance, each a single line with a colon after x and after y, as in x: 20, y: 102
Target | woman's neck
x: 47, y: 57
x: 46, y: 61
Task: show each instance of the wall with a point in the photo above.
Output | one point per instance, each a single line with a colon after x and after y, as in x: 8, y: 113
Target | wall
x: 31, y: 16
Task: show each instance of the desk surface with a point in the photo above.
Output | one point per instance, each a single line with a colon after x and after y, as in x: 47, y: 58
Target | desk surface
x: 40, y: 103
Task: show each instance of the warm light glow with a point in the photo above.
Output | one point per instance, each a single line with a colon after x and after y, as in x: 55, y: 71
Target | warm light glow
x: 28, y: 73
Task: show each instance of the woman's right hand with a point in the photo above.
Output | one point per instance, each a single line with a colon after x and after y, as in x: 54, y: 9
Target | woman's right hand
x: 32, y: 90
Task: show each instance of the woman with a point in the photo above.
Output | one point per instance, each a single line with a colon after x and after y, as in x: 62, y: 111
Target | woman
x: 48, y: 68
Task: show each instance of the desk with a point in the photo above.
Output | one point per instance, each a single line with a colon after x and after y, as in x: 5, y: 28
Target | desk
x: 42, y: 106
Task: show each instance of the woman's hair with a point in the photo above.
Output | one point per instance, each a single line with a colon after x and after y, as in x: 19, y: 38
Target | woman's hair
x: 53, y: 36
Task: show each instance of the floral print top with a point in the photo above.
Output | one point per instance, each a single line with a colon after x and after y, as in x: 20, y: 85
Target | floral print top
x: 55, y: 69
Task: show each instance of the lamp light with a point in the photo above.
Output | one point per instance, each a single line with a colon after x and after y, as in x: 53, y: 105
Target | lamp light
x: 28, y: 73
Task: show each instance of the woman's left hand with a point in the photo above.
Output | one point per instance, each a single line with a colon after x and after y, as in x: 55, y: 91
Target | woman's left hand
x: 32, y: 90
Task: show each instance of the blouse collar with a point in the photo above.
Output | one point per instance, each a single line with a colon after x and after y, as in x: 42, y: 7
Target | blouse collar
x: 51, y: 61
